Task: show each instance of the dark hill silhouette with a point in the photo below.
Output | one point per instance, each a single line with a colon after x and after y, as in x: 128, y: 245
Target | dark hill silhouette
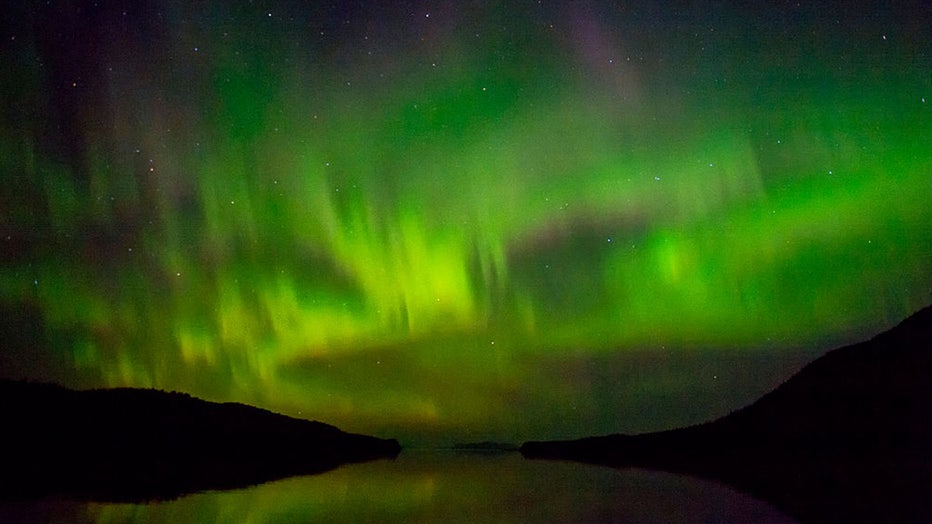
x: 139, y: 444
x: 847, y: 439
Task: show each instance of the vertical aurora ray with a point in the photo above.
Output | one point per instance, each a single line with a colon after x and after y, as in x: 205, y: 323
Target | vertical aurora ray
x: 400, y: 222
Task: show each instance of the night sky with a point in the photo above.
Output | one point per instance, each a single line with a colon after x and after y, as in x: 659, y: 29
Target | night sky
x: 445, y: 221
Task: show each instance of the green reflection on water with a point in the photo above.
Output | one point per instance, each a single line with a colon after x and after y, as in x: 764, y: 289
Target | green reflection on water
x: 438, y: 486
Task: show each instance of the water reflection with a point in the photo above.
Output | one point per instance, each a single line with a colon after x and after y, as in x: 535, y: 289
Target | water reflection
x: 445, y: 486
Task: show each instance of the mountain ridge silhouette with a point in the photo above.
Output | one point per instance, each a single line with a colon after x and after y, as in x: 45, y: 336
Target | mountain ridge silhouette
x: 847, y: 437
x: 128, y: 444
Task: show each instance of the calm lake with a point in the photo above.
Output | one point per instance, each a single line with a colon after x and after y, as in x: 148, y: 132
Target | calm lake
x: 439, y: 486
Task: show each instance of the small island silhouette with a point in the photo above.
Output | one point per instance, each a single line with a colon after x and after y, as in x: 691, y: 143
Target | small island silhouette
x: 486, y: 446
x: 847, y: 439
x: 142, y: 444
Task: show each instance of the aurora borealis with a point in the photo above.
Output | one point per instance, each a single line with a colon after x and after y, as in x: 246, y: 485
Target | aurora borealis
x: 437, y: 220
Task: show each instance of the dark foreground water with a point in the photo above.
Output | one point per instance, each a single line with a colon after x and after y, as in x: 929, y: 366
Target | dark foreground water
x: 439, y: 486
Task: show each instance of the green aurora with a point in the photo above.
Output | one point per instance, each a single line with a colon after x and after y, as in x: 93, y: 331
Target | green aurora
x: 462, y: 221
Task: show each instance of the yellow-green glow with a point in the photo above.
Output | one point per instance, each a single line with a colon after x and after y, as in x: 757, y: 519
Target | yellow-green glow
x: 399, y: 228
